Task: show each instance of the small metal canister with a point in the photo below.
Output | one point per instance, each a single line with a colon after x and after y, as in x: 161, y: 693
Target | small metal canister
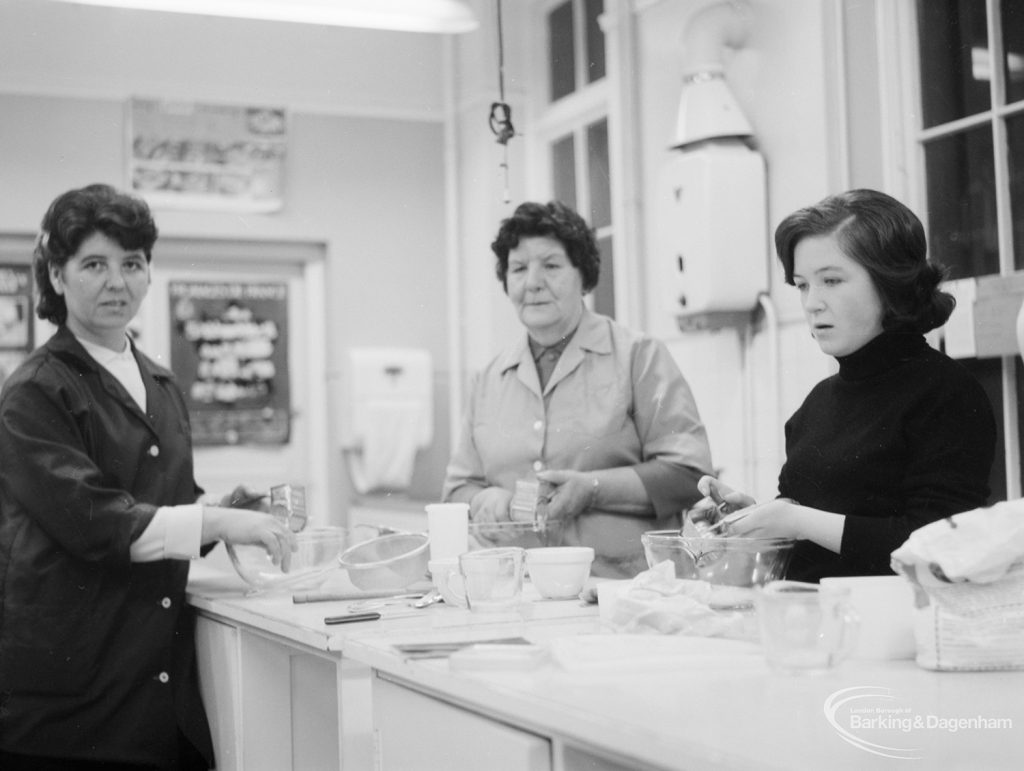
x: 530, y: 503
x: 288, y: 502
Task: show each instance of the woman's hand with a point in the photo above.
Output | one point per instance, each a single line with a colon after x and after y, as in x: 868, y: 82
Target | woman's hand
x: 777, y: 518
x: 244, y: 498
x: 719, y: 501
x: 573, y: 492
x: 722, y: 495
x: 241, y: 526
x: 491, y: 505
x: 785, y: 518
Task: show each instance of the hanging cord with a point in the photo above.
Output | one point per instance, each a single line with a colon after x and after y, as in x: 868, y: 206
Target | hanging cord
x: 500, y: 119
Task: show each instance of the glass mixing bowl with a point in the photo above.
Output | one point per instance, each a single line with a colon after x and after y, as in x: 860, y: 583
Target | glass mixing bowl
x: 315, y: 558
x: 733, y: 566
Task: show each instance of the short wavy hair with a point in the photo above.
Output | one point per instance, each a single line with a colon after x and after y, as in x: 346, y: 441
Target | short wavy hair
x: 888, y: 240
x: 74, y: 216
x: 553, y: 220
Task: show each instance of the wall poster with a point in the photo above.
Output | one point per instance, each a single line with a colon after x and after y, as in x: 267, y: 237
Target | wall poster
x: 15, y: 317
x: 199, y: 156
x: 229, y: 350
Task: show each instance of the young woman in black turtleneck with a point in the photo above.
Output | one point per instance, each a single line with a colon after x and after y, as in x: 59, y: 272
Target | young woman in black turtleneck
x: 902, y: 435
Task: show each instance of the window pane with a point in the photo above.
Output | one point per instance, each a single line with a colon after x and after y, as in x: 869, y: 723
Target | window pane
x: 1015, y: 142
x: 563, y: 169
x: 561, y: 51
x: 604, y: 293
x: 600, y: 184
x: 1013, y: 45
x: 962, y: 203
x: 595, y: 41
x: 955, y: 65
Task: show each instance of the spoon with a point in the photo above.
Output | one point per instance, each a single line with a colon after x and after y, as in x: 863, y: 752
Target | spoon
x: 427, y: 599
x: 721, y: 525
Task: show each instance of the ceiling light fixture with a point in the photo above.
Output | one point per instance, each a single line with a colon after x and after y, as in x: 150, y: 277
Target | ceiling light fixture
x: 707, y: 108
x: 438, y: 16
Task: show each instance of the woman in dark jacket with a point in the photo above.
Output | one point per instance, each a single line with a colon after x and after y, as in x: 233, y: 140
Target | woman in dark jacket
x: 99, y: 515
x: 901, y: 435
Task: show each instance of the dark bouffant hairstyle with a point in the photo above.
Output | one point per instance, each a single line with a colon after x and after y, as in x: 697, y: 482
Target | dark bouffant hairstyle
x: 885, y: 237
x: 73, y: 217
x: 554, y: 220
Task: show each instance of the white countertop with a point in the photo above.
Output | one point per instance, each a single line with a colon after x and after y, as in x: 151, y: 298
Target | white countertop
x: 670, y: 702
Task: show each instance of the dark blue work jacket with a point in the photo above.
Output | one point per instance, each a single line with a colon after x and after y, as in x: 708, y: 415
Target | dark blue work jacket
x: 97, y: 654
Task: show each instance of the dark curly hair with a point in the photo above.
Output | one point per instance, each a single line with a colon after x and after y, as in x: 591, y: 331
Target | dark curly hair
x: 553, y: 220
x: 73, y: 217
x: 888, y: 240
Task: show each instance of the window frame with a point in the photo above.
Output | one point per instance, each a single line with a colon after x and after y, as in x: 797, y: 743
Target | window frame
x: 903, y: 161
x: 573, y: 114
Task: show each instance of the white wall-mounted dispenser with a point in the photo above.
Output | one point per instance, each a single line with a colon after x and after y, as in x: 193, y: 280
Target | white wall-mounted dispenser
x: 387, y: 415
x: 712, y: 232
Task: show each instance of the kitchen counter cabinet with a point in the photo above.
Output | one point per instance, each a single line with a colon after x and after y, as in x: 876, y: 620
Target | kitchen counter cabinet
x: 705, y: 710
x: 275, y: 705
x: 285, y: 691
x: 278, y: 692
x: 417, y: 732
x: 281, y: 690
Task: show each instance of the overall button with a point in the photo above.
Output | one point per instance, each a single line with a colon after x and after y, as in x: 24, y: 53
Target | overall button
x: 165, y: 602
x: 163, y: 677
x: 154, y: 451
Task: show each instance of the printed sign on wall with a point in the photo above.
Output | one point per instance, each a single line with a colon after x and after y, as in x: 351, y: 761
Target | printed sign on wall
x: 229, y: 350
x: 199, y: 156
x: 15, y: 317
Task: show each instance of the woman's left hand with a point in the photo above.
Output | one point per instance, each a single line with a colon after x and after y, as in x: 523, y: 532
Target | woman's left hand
x: 785, y: 518
x: 573, y: 492
x: 250, y: 527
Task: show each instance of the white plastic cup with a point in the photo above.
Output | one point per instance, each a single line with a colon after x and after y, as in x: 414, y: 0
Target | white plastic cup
x: 448, y: 529
x: 885, y: 605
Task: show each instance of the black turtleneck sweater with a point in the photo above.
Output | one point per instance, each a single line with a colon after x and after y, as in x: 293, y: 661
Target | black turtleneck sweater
x: 900, y: 437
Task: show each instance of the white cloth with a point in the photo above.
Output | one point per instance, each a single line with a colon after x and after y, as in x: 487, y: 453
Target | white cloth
x: 387, y: 454
x: 977, y: 546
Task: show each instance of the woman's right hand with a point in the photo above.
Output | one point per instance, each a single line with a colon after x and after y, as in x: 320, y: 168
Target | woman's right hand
x: 243, y: 526
x: 719, y: 500
x: 491, y: 504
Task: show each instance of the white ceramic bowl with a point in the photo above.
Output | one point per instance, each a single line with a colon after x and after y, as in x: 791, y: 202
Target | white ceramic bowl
x: 559, y: 572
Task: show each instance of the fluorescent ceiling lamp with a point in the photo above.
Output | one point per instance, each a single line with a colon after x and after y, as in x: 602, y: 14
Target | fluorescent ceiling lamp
x: 442, y: 16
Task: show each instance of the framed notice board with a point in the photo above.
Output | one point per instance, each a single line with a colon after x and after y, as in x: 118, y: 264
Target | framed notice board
x: 229, y: 351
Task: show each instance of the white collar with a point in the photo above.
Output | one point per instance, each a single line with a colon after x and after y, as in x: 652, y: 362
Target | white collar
x: 106, y: 356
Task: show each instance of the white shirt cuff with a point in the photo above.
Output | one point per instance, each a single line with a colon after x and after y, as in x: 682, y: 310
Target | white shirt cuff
x: 175, y: 532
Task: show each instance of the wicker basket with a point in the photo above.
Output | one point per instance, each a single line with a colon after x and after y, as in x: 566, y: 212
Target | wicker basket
x: 970, y: 626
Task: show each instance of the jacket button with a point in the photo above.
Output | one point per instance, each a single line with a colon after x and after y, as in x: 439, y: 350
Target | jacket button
x: 163, y: 677
x: 166, y: 602
x: 538, y: 465
x: 538, y: 425
x: 154, y: 451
